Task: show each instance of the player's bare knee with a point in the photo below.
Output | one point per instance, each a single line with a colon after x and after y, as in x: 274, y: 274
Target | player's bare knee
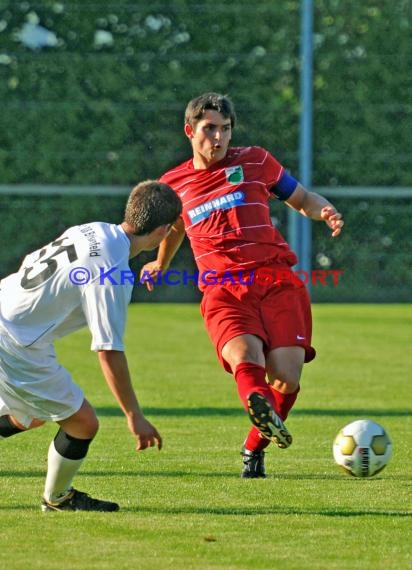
x: 92, y: 427
x: 285, y: 378
x: 83, y: 424
x: 36, y: 423
x: 245, y: 348
x: 285, y: 386
x: 88, y: 420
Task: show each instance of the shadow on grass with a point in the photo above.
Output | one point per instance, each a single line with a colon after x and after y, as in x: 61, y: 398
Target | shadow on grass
x: 175, y: 412
x: 233, y: 475
x: 269, y: 510
x: 254, y: 511
x: 30, y: 507
x: 354, y: 412
x: 112, y: 411
x: 23, y: 474
x: 195, y: 474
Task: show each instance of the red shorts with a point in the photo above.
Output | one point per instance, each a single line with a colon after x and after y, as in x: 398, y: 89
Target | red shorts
x: 279, y: 313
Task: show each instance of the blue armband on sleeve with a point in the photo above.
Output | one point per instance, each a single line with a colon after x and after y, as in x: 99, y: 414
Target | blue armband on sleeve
x: 284, y: 187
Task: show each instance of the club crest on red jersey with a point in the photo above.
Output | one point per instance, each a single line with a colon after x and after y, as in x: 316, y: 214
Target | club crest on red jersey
x: 234, y: 174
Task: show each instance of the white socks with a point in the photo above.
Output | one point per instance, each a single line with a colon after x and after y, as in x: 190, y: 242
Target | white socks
x: 60, y: 473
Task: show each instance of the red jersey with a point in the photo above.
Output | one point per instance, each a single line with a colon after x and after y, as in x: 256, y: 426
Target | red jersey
x: 226, y: 211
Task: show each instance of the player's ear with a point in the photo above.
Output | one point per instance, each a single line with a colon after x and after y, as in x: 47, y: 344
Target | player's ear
x: 162, y: 231
x: 189, y: 131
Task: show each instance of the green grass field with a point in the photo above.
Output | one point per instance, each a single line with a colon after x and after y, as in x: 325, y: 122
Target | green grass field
x: 186, y: 507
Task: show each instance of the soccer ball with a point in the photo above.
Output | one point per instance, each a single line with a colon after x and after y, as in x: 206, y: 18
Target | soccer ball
x: 363, y: 448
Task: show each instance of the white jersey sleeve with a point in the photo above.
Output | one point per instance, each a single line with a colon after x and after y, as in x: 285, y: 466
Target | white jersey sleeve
x: 105, y: 307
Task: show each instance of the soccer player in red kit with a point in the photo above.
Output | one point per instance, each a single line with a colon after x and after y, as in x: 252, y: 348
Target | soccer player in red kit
x: 257, y: 315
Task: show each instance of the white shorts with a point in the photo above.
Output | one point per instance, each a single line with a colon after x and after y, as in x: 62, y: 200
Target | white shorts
x: 34, y: 385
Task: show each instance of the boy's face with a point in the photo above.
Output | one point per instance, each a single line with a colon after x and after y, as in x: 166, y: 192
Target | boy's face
x: 210, y: 138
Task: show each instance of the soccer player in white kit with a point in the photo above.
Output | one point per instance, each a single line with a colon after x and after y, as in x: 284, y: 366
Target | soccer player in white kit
x: 82, y: 278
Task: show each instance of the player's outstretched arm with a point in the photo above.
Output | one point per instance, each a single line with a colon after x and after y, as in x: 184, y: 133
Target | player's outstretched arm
x: 316, y: 207
x: 116, y: 372
x: 166, y: 252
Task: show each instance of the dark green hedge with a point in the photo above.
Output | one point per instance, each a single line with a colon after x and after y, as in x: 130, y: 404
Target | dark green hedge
x: 83, y: 113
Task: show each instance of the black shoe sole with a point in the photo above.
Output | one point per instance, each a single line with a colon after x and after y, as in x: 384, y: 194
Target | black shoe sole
x: 266, y: 420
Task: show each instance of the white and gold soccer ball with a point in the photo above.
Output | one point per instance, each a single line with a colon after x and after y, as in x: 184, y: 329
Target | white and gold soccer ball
x: 362, y: 448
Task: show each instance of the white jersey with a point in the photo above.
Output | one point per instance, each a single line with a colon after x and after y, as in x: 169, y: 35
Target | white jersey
x: 81, y: 278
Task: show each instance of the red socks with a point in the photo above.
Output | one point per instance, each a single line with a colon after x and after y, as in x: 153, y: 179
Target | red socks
x: 284, y: 402
x: 254, y: 441
x: 252, y: 378
x: 249, y: 378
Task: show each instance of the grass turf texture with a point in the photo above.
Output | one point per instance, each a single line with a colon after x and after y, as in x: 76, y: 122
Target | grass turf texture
x: 186, y: 507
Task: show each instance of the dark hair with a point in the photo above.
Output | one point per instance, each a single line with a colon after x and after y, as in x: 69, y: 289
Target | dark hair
x: 197, y: 107
x: 151, y: 204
